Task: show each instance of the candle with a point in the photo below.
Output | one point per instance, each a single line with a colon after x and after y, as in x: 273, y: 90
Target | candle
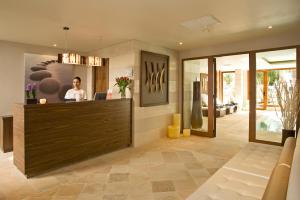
x: 43, y: 101
x: 186, y: 132
x: 176, y: 120
x: 173, y: 132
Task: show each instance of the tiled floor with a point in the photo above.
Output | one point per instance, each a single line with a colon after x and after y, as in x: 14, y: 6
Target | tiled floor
x: 165, y: 170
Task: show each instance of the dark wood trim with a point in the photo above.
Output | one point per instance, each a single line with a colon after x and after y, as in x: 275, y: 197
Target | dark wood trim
x: 105, y: 64
x: 199, y: 133
x: 252, y: 97
x: 6, y: 133
x: 298, y: 78
x: 211, y: 101
x: 182, y: 94
x: 78, y: 130
x: 248, y: 85
x: 214, y: 117
x: 267, y: 142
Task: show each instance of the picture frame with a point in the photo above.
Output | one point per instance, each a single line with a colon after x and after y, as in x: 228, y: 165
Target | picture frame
x: 154, y: 79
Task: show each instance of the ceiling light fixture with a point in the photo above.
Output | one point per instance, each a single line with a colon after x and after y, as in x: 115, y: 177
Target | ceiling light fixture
x: 180, y: 43
x: 94, y: 61
x: 270, y: 27
x: 67, y: 57
x: 75, y: 58
x: 54, y: 45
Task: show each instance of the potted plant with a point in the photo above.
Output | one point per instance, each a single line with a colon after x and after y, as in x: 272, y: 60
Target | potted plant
x: 123, y: 83
x: 31, y: 94
x: 288, y: 100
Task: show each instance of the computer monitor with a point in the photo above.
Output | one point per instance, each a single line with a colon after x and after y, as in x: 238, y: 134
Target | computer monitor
x: 100, y: 96
x: 70, y: 100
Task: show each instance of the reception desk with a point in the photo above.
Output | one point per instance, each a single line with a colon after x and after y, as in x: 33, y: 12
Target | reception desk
x: 53, y: 135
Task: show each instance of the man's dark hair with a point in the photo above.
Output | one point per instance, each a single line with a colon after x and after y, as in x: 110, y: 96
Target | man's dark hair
x: 78, y: 78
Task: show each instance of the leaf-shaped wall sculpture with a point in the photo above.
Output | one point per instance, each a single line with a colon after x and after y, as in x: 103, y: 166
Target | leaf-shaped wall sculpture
x: 161, y: 80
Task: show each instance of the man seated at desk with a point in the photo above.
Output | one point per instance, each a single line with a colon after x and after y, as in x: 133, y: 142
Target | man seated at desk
x: 76, y: 93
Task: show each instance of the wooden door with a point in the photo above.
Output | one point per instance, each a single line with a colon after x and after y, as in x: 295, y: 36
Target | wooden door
x: 101, y: 77
x: 212, y: 88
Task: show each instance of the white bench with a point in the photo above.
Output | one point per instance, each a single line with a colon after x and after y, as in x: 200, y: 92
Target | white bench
x: 244, y: 177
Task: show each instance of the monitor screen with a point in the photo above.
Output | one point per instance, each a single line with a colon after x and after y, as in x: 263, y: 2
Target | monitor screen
x: 100, y: 96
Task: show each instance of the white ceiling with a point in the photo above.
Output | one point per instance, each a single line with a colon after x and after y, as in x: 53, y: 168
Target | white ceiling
x: 99, y: 23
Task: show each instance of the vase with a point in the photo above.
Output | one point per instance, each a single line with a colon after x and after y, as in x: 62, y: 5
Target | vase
x: 123, y: 92
x: 31, y: 101
x: 197, y: 116
x: 286, y: 134
x: 123, y: 95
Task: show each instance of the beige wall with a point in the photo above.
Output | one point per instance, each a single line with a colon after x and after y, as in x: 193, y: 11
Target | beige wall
x: 12, y: 72
x: 121, y: 63
x: 149, y: 123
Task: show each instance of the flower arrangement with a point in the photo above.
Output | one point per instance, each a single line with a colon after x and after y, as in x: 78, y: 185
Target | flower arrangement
x: 123, y: 82
x: 31, y: 91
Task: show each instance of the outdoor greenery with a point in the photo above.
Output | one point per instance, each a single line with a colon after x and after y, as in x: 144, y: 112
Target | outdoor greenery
x: 273, y: 77
x: 228, y: 78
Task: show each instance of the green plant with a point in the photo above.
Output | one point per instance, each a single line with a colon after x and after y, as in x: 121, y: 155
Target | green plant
x: 228, y: 78
x: 30, y: 91
x: 273, y: 77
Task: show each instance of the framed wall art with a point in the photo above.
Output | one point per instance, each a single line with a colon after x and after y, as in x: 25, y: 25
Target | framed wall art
x: 154, y: 79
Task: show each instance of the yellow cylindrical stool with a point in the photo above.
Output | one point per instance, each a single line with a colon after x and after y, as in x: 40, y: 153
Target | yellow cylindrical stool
x: 186, y: 132
x: 176, y: 120
x: 173, y: 132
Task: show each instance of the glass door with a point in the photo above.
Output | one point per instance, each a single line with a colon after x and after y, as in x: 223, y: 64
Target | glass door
x: 272, y: 69
x: 197, y: 112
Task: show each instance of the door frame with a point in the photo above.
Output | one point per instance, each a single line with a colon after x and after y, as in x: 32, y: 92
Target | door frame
x: 252, y: 85
x: 211, y: 111
x: 265, y: 90
x: 221, y: 85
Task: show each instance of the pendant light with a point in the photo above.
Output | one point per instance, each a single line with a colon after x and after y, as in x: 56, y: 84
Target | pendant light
x: 74, y: 58
x: 69, y: 57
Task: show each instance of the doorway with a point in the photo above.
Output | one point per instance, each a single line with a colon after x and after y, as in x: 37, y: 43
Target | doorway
x: 232, y: 96
x: 197, y: 98
x: 264, y: 68
x: 272, y: 67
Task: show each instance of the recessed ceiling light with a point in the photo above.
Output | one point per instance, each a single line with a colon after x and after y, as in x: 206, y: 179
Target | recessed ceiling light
x: 180, y: 43
x: 54, y: 45
x: 270, y: 27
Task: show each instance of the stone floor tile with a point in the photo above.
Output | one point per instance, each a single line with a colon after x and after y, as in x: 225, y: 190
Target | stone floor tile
x: 185, y: 162
x: 166, y: 196
x: 115, y: 197
x: 119, y: 177
x: 170, y: 157
x: 69, y: 190
x: 163, y: 186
